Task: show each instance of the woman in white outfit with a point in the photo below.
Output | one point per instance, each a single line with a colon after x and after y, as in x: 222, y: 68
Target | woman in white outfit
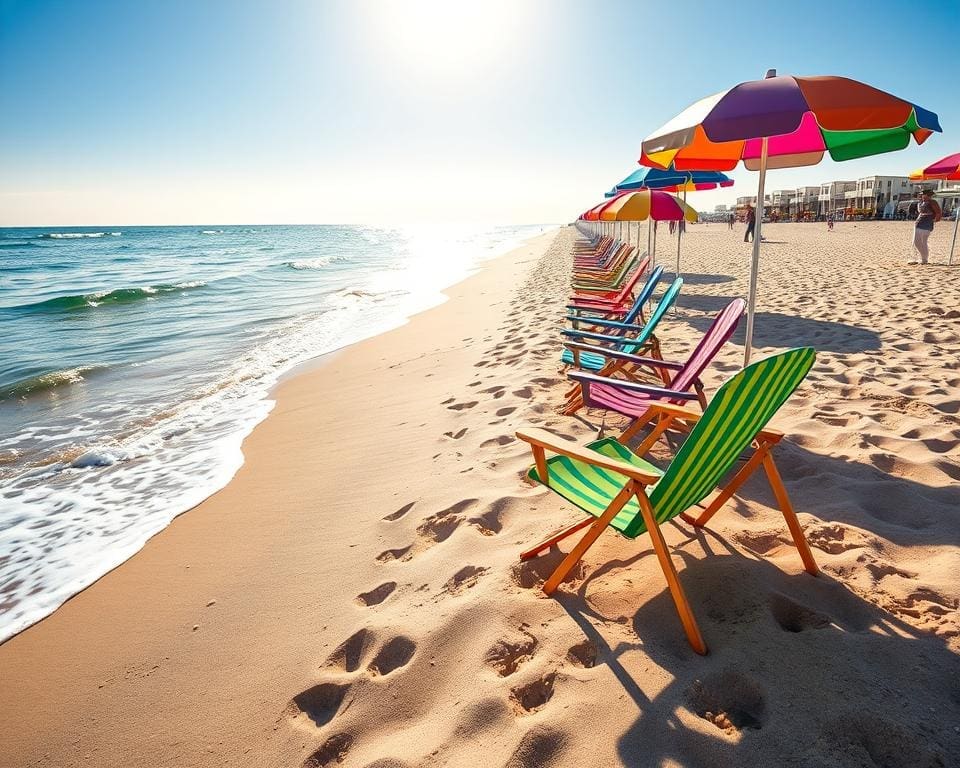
x: 928, y: 212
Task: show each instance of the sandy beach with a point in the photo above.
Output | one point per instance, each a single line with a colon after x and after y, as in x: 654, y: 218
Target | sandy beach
x: 354, y: 595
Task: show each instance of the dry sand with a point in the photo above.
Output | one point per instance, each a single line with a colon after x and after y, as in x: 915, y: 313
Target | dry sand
x: 354, y: 594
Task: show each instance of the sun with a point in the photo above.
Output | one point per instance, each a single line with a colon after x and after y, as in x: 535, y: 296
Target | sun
x: 445, y: 37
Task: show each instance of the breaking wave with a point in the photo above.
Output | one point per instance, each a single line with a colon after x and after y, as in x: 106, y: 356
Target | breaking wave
x: 100, y: 298
x: 47, y: 381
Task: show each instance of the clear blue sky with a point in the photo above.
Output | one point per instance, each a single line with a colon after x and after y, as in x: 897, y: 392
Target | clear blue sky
x: 297, y: 111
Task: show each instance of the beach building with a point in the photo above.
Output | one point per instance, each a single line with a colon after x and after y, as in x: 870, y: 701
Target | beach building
x: 832, y: 196
x: 874, y: 192
x: 803, y: 203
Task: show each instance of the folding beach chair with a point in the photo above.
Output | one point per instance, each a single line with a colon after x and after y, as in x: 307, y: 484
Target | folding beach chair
x: 624, y: 337
x: 584, y: 318
x: 610, y: 300
x: 632, y: 398
x: 617, y: 488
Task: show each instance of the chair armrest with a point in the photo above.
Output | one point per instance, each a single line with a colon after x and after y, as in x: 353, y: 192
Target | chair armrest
x: 616, y: 324
x: 542, y: 438
x: 622, y: 341
x: 651, y: 362
x: 632, y: 386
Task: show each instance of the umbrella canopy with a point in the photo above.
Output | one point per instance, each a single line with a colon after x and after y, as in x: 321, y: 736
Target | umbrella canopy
x: 785, y: 122
x: 672, y: 180
x: 803, y: 118
x: 642, y: 205
x: 947, y: 168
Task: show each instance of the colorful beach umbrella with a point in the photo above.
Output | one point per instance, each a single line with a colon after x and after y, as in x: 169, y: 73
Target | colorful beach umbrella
x: 785, y: 122
x: 672, y: 180
x: 644, y: 204
x: 947, y: 169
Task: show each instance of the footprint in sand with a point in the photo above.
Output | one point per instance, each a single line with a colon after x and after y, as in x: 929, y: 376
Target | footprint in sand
x: 394, y: 554
x: 497, y: 442
x: 729, y: 699
x: 318, y: 704
x: 534, y: 695
x: 490, y: 522
x: 400, y: 512
x: 349, y: 655
x: 377, y: 595
x: 333, y: 751
x: 456, y: 435
x: 394, y: 654
x: 583, y: 654
x: 438, y: 527
x: 464, y: 579
x: 462, y: 406
x: 509, y: 653
x: 524, y: 392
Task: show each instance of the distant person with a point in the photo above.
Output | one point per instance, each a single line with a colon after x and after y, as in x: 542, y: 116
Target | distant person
x: 928, y: 212
x: 751, y: 218
x: 730, y: 220
x: 829, y: 223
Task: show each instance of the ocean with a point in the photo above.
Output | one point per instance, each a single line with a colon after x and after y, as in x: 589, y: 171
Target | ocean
x: 134, y: 360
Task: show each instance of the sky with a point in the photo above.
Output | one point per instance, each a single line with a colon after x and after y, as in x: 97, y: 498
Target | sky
x: 390, y: 111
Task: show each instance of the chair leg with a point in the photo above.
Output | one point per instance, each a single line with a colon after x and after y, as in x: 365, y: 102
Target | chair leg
x: 573, y: 404
x: 673, y: 581
x: 558, y: 536
x: 589, y: 537
x: 636, y: 426
x: 662, y: 426
x: 730, y: 488
x: 796, y: 532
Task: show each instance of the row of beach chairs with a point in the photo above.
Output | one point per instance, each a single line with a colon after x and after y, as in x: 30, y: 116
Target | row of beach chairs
x: 616, y: 362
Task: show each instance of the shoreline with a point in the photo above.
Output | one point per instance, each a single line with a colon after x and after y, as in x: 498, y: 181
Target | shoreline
x: 174, y: 555
x: 222, y: 457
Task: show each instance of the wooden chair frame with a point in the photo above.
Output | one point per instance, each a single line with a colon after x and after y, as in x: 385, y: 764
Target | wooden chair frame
x: 667, y: 417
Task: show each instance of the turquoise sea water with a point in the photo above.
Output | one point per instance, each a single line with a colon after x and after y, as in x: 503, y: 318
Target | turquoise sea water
x: 133, y: 361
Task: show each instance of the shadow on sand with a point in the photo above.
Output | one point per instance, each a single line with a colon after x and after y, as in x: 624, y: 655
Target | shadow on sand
x: 773, y: 329
x: 800, y: 672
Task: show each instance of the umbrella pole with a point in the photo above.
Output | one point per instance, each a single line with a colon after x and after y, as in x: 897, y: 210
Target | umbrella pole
x: 679, y: 233
x: 755, y: 261
x: 653, y: 254
x: 956, y: 221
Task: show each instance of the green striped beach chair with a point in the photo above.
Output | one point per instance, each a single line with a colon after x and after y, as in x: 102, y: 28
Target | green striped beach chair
x: 618, y: 488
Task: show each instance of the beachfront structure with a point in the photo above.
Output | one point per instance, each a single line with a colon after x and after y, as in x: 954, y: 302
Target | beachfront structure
x: 874, y: 192
x: 803, y: 202
x: 832, y: 196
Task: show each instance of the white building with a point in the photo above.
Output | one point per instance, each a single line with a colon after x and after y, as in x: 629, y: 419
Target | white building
x: 832, y: 196
x: 874, y: 192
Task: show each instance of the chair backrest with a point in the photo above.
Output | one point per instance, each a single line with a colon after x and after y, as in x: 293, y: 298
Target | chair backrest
x: 739, y: 410
x: 720, y: 330
x: 666, y: 301
x: 645, y: 293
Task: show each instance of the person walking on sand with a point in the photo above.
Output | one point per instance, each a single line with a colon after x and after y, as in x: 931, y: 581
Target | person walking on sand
x: 928, y: 212
x: 730, y: 220
x: 751, y: 217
